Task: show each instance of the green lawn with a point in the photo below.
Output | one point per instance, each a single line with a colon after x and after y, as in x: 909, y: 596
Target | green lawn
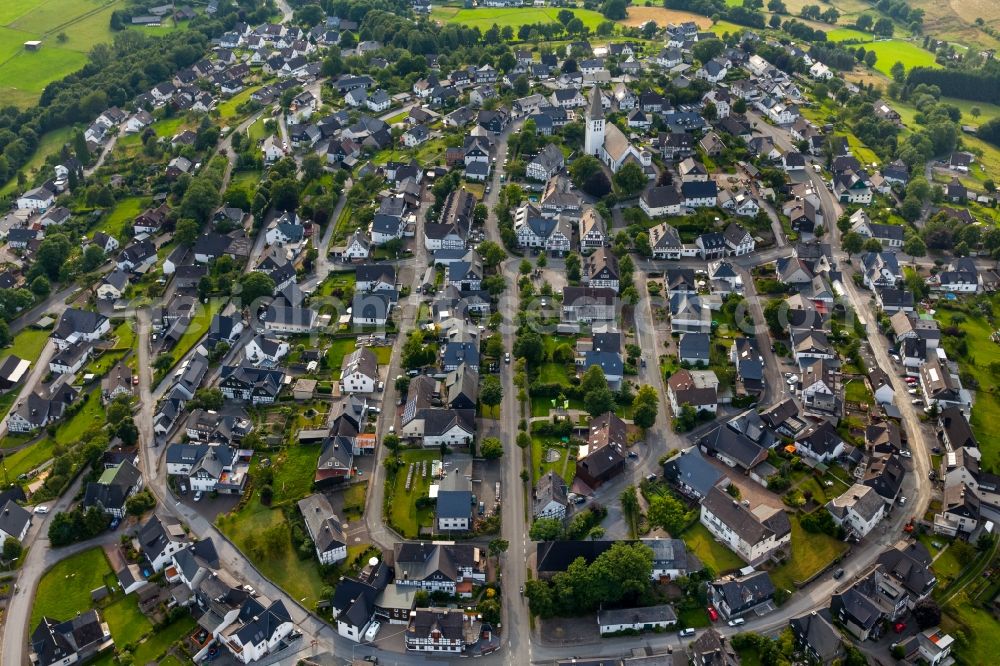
x: 711, y: 553
x: 857, y: 391
x: 554, y: 373
x: 339, y: 348
x: 127, y: 623
x: 300, y: 578
x: 564, y: 467
x: 541, y: 405
x: 809, y: 553
x: 245, y: 180
x: 342, y: 282
x: 49, y: 144
x: 198, y: 327
x: 28, y: 344
x: 403, y: 513
x: 382, y: 354
x: 90, y: 415
x: 227, y: 109
x: 65, y: 588
x: 159, y: 642
x: 115, y: 222
x: 982, y: 353
x: 980, y: 628
x: 485, y: 18
x: 843, y: 34
x: 30, y: 457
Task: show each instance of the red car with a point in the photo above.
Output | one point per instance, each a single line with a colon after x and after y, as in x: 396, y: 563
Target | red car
x: 900, y: 627
x: 713, y: 614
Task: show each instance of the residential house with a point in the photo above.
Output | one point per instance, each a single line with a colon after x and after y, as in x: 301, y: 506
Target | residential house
x: 753, y: 536
x: 115, y: 485
x: 324, y: 528
x: 859, y: 509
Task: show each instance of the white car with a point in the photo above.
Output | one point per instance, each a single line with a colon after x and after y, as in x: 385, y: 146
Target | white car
x: 41, y: 509
x: 197, y: 496
x: 736, y: 622
x: 372, y: 630
x: 684, y: 633
x: 905, y: 454
x: 902, y: 501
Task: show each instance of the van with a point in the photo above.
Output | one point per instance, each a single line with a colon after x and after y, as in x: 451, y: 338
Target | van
x: 372, y: 630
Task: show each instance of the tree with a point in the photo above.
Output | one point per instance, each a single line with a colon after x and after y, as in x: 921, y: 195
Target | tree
x: 777, y: 7
x: 200, y: 200
x: 312, y: 167
x: 392, y: 442
x: 927, y: 613
x: 864, y: 22
x: 255, y: 285
x: 52, y: 254
x: 529, y: 346
x: 491, y: 392
x: 870, y: 58
x: 630, y: 509
x: 498, y: 547
x: 774, y: 21
x: 523, y: 439
x: 41, y: 286
x: 705, y: 50
x: 11, y: 549
x: 285, y: 194
x: 872, y: 245
x: 583, y: 168
x: 645, y: 407
x: 573, y: 265
x: 898, y: 72
x: 492, y: 253
x: 186, y: 232
x: 593, y: 379
x: 599, y: 401
x: 575, y: 27
x: 541, y: 599
x: 883, y: 27
x: 491, y: 448
x: 163, y: 362
x: 852, y: 242
x: 630, y: 179
x: 140, y: 503
x: 546, y: 529
x: 915, y: 247
x: 668, y: 512
x: 614, y: 10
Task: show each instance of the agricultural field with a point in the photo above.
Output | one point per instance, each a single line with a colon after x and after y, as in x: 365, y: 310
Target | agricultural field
x: 663, y: 17
x: 895, y: 50
x: 484, y: 18
x: 82, y: 23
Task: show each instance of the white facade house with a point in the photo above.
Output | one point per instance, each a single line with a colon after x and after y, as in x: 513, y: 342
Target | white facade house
x: 859, y: 509
x: 39, y: 198
x: 743, y: 531
x: 359, y: 372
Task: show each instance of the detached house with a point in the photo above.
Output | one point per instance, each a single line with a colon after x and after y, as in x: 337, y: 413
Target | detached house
x: 324, y: 529
x: 113, y: 488
x: 751, y: 536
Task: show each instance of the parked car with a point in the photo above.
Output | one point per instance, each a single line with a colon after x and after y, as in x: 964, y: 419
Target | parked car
x: 736, y: 622
x: 905, y: 453
x: 506, y: 357
x: 684, y: 633
x: 713, y: 614
x: 197, y: 496
x: 838, y: 574
x: 41, y: 509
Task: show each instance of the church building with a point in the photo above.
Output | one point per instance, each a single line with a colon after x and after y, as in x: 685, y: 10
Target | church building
x: 608, y: 143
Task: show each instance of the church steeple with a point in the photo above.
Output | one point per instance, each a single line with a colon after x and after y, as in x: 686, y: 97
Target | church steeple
x: 596, y: 110
x: 594, y: 139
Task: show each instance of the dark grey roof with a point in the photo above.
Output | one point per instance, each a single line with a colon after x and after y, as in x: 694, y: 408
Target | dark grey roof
x: 691, y: 469
x: 744, y: 593
x: 822, y: 638
x: 694, y: 345
x: 454, y: 504
x: 13, y: 519
x: 639, y: 616
x: 556, y: 556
